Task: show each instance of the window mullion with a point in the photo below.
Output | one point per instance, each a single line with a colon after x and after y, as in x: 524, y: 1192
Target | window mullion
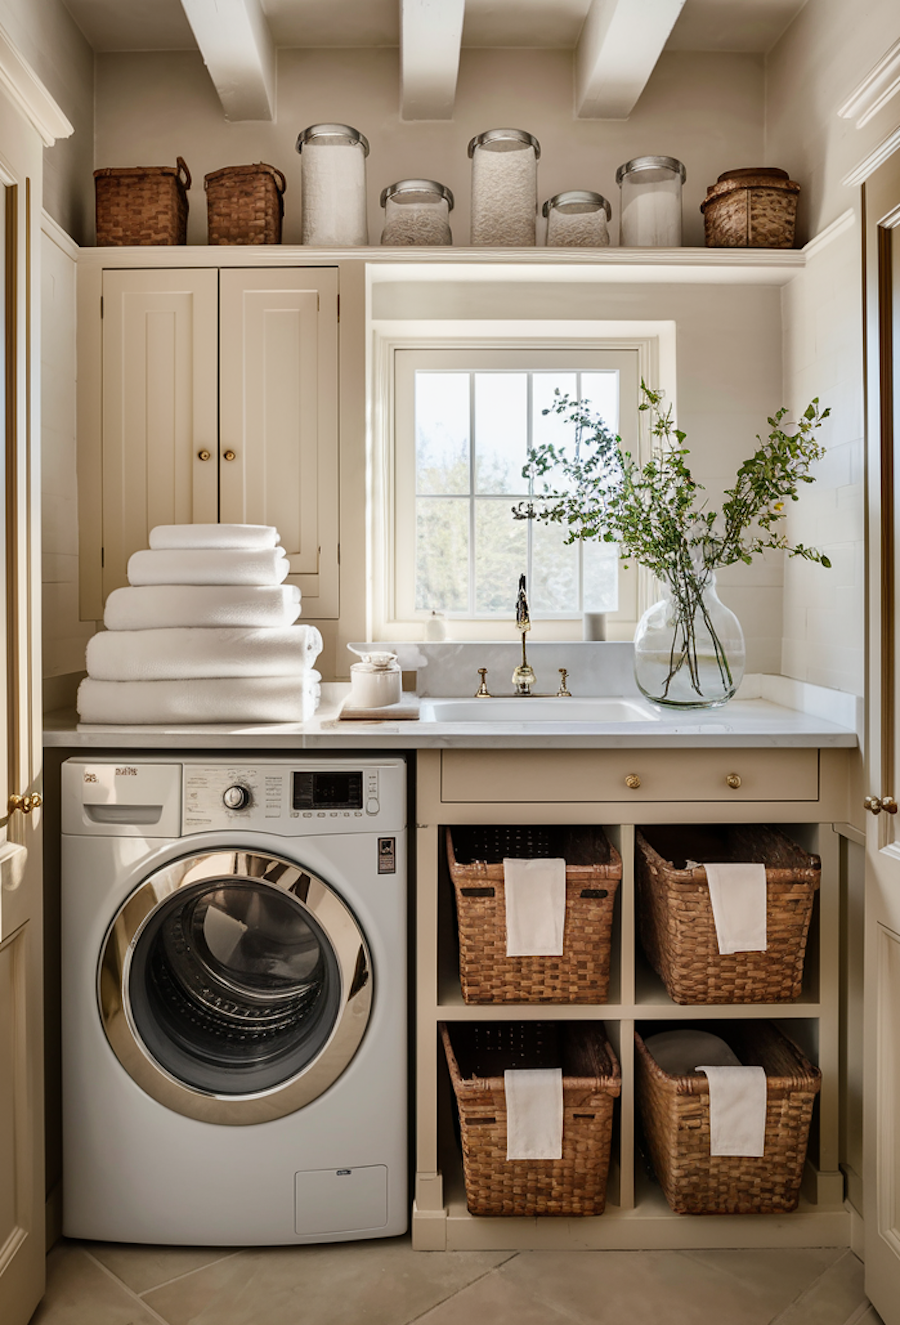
x: 529, y: 441
x: 472, y: 439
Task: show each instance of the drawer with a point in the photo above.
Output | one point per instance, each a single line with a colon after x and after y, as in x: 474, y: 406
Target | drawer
x: 641, y: 776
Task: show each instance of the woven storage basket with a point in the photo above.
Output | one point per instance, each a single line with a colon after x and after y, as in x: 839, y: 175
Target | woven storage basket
x: 675, y: 1116
x: 477, y: 1056
x: 244, y: 204
x: 675, y: 919
x: 751, y: 208
x: 593, y: 870
x: 142, y: 204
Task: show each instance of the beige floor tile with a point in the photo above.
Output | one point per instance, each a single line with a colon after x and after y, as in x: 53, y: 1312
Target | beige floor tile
x: 383, y: 1282
x: 834, y: 1297
x: 496, y: 1298
x: 79, y: 1292
x: 143, y: 1268
x: 772, y: 1278
x: 642, y: 1288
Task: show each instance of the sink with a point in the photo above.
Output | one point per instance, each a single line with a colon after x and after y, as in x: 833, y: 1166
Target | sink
x: 535, y: 708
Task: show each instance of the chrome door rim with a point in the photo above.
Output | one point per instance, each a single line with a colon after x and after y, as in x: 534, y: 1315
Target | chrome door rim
x: 333, y: 917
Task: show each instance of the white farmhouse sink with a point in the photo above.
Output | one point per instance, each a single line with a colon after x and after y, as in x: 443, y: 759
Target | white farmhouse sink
x: 535, y: 708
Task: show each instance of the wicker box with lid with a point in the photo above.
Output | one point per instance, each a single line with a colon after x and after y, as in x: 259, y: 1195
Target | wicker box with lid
x: 593, y: 871
x: 142, y: 205
x: 674, y: 1114
x: 675, y: 917
x: 754, y: 207
x: 244, y: 204
x: 477, y: 1055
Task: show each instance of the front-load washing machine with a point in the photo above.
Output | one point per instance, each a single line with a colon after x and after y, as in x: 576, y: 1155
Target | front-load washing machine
x: 234, y: 999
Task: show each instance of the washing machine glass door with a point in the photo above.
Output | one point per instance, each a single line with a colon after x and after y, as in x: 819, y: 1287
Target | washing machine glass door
x: 234, y: 987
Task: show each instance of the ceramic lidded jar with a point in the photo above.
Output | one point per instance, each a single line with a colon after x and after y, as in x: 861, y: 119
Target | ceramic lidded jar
x: 333, y: 184
x: 376, y: 680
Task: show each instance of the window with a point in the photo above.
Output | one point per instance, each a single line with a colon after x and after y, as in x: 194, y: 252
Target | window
x: 465, y: 420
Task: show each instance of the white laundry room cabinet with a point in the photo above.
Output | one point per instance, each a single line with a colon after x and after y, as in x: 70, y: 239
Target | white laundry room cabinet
x: 217, y: 401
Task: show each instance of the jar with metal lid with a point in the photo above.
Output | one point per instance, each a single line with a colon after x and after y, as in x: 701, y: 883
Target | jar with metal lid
x: 333, y: 182
x: 416, y: 211
x: 650, y: 213
x: 504, y: 187
x: 577, y: 219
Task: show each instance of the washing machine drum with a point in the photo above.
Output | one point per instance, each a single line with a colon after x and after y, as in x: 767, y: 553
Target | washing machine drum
x: 235, y: 987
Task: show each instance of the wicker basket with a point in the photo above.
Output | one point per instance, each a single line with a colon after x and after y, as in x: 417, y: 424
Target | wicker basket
x: 142, y: 204
x: 675, y: 919
x: 593, y: 871
x: 477, y: 1056
x: 244, y: 204
x: 675, y: 1116
x: 751, y: 208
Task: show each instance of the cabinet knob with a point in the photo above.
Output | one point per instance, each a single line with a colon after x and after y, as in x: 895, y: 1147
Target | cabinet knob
x: 229, y: 455
x: 204, y: 454
x: 875, y: 804
x: 733, y: 780
x: 24, y: 803
x: 889, y: 805
x: 632, y: 782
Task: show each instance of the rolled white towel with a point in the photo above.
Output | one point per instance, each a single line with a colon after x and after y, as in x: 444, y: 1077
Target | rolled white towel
x: 252, y: 536
x: 199, y: 700
x: 157, y: 606
x: 173, y: 655
x: 208, y: 566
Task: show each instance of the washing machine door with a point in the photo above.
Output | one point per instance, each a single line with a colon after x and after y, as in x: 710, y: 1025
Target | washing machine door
x: 234, y: 987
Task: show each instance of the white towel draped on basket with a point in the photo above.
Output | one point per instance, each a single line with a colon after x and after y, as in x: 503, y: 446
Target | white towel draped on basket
x: 175, y: 654
x: 738, y: 896
x: 535, y: 892
x: 252, y: 536
x: 534, y: 1113
x: 208, y: 566
x: 199, y: 700
x: 158, y: 606
x: 737, y: 1110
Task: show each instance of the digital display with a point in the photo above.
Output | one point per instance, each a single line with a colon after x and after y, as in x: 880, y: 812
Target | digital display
x: 327, y: 791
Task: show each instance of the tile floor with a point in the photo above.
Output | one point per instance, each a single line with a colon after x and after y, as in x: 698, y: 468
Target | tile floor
x: 384, y: 1282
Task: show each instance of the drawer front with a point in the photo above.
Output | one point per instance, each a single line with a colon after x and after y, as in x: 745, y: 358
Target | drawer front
x: 641, y: 776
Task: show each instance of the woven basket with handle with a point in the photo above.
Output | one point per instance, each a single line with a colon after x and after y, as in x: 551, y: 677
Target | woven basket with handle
x: 244, y: 204
x: 142, y: 205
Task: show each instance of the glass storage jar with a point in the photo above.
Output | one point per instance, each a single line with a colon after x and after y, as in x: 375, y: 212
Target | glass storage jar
x: 577, y: 219
x: 650, y: 212
x: 504, y: 187
x: 333, y: 183
x: 416, y: 211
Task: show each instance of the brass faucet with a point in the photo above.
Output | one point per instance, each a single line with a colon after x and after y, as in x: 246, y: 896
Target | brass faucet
x: 523, y: 677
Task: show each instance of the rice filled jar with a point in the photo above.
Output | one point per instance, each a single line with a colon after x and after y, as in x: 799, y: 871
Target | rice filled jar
x: 504, y: 188
x: 416, y: 211
x: 333, y: 183
x: 577, y: 219
x: 650, y: 212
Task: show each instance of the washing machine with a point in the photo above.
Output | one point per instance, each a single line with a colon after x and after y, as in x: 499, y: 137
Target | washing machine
x: 234, y: 999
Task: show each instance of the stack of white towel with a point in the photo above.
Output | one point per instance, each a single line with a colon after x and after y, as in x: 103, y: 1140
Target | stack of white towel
x: 203, y: 634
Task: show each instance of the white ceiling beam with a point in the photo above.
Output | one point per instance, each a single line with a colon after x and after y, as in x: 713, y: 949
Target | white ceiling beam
x: 617, y: 52
x: 238, y: 51
x: 430, y: 40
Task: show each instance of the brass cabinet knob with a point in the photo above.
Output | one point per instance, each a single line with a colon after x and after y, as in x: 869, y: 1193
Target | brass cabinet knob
x: 204, y: 454
x: 733, y: 780
x: 229, y: 455
x: 875, y: 804
x: 632, y: 782
x: 24, y: 803
x: 889, y: 805
x: 872, y: 804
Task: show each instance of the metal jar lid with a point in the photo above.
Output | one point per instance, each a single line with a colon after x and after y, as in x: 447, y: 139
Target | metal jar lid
x: 418, y: 190
x: 577, y: 200
x: 515, y: 137
x: 337, y: 134
x: 651, y: 163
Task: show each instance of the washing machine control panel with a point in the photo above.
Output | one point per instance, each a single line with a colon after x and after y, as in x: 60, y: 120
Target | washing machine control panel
x: 317, y: 798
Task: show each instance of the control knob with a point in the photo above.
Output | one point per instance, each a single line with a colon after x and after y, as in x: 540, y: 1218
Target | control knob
x: 236, y: 797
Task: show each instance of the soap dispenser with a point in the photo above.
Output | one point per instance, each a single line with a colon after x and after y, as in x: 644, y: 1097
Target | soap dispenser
x: 375, y: 680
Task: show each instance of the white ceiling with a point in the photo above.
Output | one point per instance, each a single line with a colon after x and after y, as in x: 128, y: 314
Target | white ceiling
x: 161, y: 25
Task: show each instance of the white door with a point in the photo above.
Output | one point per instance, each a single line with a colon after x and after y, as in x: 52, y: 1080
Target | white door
x: 882, y: 964
x: 22, y: 1235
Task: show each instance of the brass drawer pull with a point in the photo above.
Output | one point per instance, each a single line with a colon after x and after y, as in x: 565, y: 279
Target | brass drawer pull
x: 229, y: 455
x: 733, y: 780
x: 24, y: 803
x: 204, y: 454
x: 632, y: 782
x: 875, y: 804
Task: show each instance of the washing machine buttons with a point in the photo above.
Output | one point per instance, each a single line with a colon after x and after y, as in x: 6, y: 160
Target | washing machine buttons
x: 236, y: 797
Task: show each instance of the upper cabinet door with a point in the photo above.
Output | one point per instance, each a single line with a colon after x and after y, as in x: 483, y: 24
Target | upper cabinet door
x: 278, y: 441
x: 160, y: 380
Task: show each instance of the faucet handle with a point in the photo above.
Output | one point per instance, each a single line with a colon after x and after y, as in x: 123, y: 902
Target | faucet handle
x: 482, y: 692
x: 563, y: 692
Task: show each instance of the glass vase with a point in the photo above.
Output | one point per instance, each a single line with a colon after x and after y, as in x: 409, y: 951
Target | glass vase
x: 689, y: 648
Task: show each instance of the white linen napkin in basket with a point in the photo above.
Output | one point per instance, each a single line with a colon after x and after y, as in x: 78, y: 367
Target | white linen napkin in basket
x: 737, y: 1110
x: 738, y: 896
x: 535, y: 892
x: 534, y: 1113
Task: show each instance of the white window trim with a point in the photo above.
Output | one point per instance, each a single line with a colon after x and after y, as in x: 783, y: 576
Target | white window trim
x: 382, y: 621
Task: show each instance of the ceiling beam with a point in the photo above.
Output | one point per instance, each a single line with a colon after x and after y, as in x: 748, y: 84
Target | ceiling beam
x: 617, y: 52
x: 430, y: 39
x: 238, y: 51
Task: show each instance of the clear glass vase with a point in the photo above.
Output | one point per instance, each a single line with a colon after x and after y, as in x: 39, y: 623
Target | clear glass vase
x: 689, y: 647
